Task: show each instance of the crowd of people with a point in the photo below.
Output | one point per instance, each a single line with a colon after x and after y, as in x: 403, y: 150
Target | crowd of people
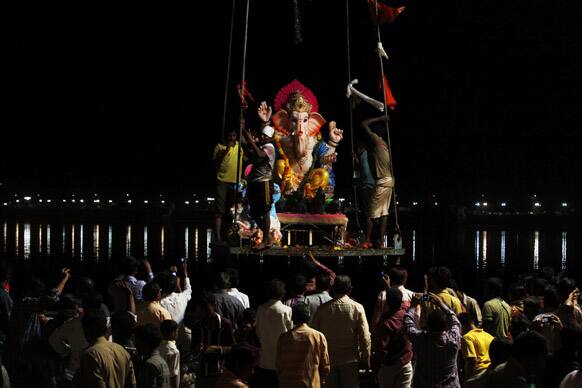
x: 155, y: 331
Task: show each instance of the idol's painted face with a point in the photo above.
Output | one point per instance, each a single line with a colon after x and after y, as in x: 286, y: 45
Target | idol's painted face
x: 299, y: 122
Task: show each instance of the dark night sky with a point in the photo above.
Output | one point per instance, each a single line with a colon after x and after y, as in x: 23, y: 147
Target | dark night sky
x: 110, y: 98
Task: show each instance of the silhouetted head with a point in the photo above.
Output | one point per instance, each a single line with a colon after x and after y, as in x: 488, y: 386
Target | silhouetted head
x: 499, y: 351
x: 531, y: 350
x: 393, y: 299
x: 168, y: 282
x: 398, y: 276
x: 323, y: 282
x: 169, y: 330
x: 129, y: 266
x: 151, y: 292
x: 94, y: 324
x: 233, y: 277
x: 437, y: 321
x: 241, y: 360
x: 439, y: 278
x: 122, y: 324
x: 147, y: 338
x: 342, y: 285
x: 300, y: 313
x: 467, y: 322
x: 222, y: 281
x: 276, y: 289
x: 493, y: 288
x: 298, y: 285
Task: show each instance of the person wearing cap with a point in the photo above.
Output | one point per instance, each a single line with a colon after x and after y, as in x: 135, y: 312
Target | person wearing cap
x: 260, y: 180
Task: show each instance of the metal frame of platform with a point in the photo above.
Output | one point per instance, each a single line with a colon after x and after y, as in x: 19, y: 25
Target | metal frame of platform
x: 317, y: 251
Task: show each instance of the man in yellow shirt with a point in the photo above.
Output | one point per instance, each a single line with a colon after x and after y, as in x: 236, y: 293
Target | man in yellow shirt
x: 225, y: 161
x: 439, y: 283
x: 474, y: 346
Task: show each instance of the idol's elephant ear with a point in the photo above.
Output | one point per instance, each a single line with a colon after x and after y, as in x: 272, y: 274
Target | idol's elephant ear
x: 315, y: 123
x: 281, y: 123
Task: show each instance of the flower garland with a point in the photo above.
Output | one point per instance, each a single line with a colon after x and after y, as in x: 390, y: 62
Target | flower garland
x: 288, y: 171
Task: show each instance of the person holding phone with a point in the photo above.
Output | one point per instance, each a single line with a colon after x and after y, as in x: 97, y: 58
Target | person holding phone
x: 436, y: 349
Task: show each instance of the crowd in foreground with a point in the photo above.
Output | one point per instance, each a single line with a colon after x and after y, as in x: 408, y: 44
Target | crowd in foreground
x: 157, y: 332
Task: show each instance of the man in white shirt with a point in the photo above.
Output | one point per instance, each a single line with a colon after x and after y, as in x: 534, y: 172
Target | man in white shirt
x: 233, y: 291
x: 176, y: 302
x: 321, y: 296
x: 273, y: 319
x: 396, y: 278
x: 169, y: 351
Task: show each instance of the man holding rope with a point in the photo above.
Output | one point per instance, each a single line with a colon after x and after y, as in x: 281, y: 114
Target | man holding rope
x: 379, y: 160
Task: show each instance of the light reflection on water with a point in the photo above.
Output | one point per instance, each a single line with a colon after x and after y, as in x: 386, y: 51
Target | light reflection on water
x: 48, y: 240
x: 484, y: 251
x: 5, y: 238
x: 40, y: 240
x: 73, y: 240
x: 128, y: 241
x: 17, y: 242
x: 163, y: 242
x: 96, y: 240
x: 26, y: 253
x: 536, y: 250
x: 63, y: 239
x: 487, y: 248
x: 186, y: 242
x: 477, y: 247
x: 196, y: 251
x: 502, y: 253
x: 413, y: 245
x: 110, y: 241
x: 564, y: 250
x: 81, y: 240
x: 145, y: 241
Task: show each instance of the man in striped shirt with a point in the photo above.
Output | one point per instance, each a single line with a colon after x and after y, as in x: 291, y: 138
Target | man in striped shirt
x: 437, y: 348
x: 302, y: 358
x: 343, y: 322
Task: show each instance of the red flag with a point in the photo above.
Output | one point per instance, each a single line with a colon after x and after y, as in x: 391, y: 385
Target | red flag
x: 385, y: 14
x: 390, y: 100
x: 244, y: 94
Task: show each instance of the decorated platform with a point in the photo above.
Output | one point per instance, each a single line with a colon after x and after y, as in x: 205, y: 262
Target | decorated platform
x: 318, y: 251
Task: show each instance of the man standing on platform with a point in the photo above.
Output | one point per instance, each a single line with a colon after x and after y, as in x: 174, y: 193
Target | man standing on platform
x: 226, y: 163
x: 379, y: 161
x: 260, y: 180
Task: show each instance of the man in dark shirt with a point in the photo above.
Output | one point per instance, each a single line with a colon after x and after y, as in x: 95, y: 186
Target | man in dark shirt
x: 227, y: 305
x: 212, y: 338
x: 392, y: 349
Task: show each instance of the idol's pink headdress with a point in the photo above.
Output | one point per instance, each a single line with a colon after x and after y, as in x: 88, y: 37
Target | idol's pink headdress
x: 295, y: 87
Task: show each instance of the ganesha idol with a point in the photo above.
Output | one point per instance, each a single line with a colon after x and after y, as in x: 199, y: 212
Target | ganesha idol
x: 304, y: 159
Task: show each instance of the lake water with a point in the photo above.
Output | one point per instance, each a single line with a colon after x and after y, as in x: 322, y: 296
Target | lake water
x: 473, y: 252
